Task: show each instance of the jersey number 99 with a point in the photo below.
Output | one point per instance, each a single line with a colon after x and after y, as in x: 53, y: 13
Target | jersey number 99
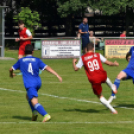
x: 94, y: 65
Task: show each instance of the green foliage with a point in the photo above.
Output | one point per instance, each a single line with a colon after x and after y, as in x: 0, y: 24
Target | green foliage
x: 110, y: 7
x: 71, y: 7
x: 31, y: 19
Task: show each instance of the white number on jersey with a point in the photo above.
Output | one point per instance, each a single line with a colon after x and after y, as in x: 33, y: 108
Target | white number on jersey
x: 30, y: 69
x: 93, y: 65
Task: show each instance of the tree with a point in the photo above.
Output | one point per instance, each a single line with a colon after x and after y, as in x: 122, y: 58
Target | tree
x: 68, y: 9
x: 112, y: 7
x: 31, y: 19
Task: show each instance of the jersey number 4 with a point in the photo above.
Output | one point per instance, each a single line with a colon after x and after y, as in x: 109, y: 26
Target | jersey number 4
x: 94, y: 65
x: 30, y: 69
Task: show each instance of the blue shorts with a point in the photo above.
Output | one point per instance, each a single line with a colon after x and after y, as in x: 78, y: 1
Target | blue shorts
x: 32, y: 92
x: 130, y: 73
x: 85, y: 41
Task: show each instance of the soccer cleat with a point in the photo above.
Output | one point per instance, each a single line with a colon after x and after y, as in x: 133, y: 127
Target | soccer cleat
x: 34, y: 115
x: 46, y: 118
x: 115, y: 112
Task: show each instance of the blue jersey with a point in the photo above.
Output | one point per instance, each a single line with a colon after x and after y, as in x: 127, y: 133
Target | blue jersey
x: 131, y: 62
x: 29, y: 67
x: 84, y: 28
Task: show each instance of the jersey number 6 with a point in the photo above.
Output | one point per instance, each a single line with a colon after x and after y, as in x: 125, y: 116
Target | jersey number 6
x: 93, y: 65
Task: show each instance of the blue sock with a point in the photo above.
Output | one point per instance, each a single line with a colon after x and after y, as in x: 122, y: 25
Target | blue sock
x: 40, y: 109
x: 117, y: 83
x: 31, y: 106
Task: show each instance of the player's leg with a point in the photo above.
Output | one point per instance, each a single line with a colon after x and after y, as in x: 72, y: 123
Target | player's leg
x: 97, y: 88
x: 107, y: 104
x: 34, y: 112
x: 33, y: 97
x: 111, y: 85
x: 85, y: 41
x: 120, y: 76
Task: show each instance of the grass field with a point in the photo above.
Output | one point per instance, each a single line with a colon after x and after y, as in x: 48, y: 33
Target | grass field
x: 73, y: 106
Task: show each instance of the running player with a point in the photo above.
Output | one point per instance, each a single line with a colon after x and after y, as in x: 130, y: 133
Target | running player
x: 29, y: 67
x: 125, y: 74
x: 25, y: 38
x: 95, y: 72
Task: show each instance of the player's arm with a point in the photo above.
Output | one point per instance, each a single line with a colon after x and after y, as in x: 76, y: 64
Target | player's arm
x: 80, y: 31
x: 74, y: 65
x: 115, y: 63
x: 78, y: 65
x: 29, y: 34
x: 49, y: 69
x: 105, y: 61
x: 14, y: 67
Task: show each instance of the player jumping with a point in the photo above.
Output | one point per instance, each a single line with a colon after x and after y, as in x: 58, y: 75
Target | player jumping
x: 29, y: 67
x: 125, y: 74
x: 25, y: 38
x: 95, y: 72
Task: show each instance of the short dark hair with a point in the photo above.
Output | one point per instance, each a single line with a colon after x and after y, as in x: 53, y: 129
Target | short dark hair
x: 28, y: 49
x: 90, y: 46
x: 127, y: 55
x: 84, y: 18
x: 20, y: 22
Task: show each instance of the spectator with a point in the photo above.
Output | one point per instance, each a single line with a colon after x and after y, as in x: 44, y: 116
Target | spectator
x: 123, y: 35
x: 84, y: 31
x: 92, y: 37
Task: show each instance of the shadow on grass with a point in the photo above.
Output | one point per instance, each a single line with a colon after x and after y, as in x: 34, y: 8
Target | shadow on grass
x: 125, y: 105
x: 82, y: 110
x: 22, y: 117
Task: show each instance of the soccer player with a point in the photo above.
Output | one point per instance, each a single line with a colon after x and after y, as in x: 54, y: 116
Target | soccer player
x: 95, y: 72
x: 125, y: 74
x: 84, y: 31
x: 29, y: 67
x: 25, y: 38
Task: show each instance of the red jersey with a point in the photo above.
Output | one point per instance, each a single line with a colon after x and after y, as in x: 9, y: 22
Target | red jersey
x: 123, y: 35
x: 22, y: 33
x: 93, y: 67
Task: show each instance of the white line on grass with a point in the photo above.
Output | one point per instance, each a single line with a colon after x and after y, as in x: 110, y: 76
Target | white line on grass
x: 67, y: 98
x: 121, y: 122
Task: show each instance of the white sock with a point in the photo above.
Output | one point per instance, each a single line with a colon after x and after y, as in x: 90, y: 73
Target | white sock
x: 110, y: 84
x: 105, y: 103
x: 111, y: 98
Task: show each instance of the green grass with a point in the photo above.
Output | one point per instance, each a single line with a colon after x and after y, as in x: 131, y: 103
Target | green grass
x: 65, y: 112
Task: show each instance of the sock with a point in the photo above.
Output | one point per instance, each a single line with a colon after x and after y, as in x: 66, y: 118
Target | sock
x: 40, y: 109
x: 117, y: 84
x: 109, y: 83
x: 31, y: 106
x: 105, y: 103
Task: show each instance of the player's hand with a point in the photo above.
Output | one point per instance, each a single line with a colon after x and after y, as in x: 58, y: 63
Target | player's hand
x: 21, y: 38
x: 85, y: 32
x: 75, y: 60
x: 116, y: 63
x: 60, y: 78
x: 17, y: 39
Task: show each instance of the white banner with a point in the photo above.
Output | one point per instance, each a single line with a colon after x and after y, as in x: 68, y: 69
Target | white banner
x: 61, y: 48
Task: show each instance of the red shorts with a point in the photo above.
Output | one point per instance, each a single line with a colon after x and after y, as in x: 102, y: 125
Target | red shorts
x: 97, y: 88
x: 22, y: 50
